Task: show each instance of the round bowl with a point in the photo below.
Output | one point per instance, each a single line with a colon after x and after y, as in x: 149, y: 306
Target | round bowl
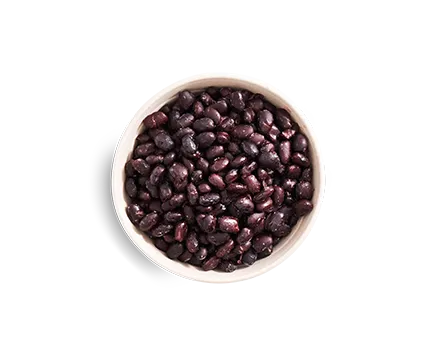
x: 125, y: 146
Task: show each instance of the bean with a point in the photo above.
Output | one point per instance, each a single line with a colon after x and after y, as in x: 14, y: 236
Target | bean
x: 198, y: 109
x: 307, y: 175
x: 206, y: 99
x: 180, y: 231
x: 289, y: 184
x: 248, y: 115
x: 189, y: 214
x: 227, y: 267
x: 223, y: 137
x: 155, y: 120
x: 205, y: 139
x: 245, y: 235
x: 192, y: 244
x: 293, y: 172
x: 149, y: 221
x: 227, y: 124
x: 154, y: 159
x: 256, y: 138
x: 186, y: 99
x: 244, y: 205
x: 173, y: 216
x: 288, y: 134
x: 135, y: 213
x: 197, y: 177
x: 155, y: 205
x: 219, y: 164
x: 300, y: 143
x: 267, y: 252
x: 169, y: 158
x: 228, y: 224
x: 242, y: 131
x: 192, y: 194
x: 207, y: 223
x: 157, y: 175
x: 239, y: 161
x: 211, y: 263
x: 302, y: 207
x: 249, y: 257
x: 231, y: 176
x: 218, y: 238
x: 266, y: 206
x: 300, y: 159
x: 178, y: 175
x: 161, y: 244
x: 143, y: 138
x: 248, y: 169
x: 204, y: 124
x: 141, y: 166
x: 183, y: 132
x: 225, y: 248
x: 161, y: 230
x: 214, y: 152
x: 188, y: 164
x: 202, y: 253
x: 255, y: 104
x: 221, y: 106
x: 165, y: 192
x: 261, y: 242
x: 130, y: 187
x: 283, y: 119
x: 189, y: 147
x: 273, y: 133
x: 265, y: 121
x: 144, y: 150
x: 304, y: 190
x: 185, y: 257
x: 217, y: 181
x: 278, y: 195
x: 252, y: 184
x: 269, y: 160
x: 213, y: 114
x: 203, y: 165
x: 175, y: 250
x: 144, y: 196
x: 209, y: 199
x: 250, y: 149
x: 234, y: 148
x: 183, y: 121
x: 164, y: 141
x: 237, y: 100
x: 204, y: 188
x: 237, y: 188
x: 285, y: 152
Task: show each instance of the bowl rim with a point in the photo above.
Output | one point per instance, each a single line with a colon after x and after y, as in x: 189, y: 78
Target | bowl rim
x: 316, y: 162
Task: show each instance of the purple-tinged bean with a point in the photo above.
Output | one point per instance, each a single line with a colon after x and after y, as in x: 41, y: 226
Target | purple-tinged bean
x: 180, y: 231
x: 288, y: 134
x: 218, y: 238
x: 304, y: 190
x: 300, y: 159
x: 204, y: 188
x: 221, y: 106
x: 178, y: 175
x: 207, y: 222
x: 242, y: 131
x: 164, y: 141
x: 144, y: 150
x: 248, y: 115
x: 188, y: 164
x: 269, y: 160
x: 144, y: 196
x: 223, y: 137
x: 265, y: 121
x: 267, y: 252
x: 261, y: 242
x: 273, y: 133
x: 198, y: 109
x: 130, y: 187
x: 213, y: 114
x: 188, y: 212
x: 161, y: 230
x: 173, y: 216
x: 209, y: 199
x: 237, y: 100
x: 237, y: 188
x: 203, y: 125
x: 211, y: 263
x: 192, y: 243
x: 250, y: 149
x: 183, y: 132
x: 252, y: 184
x: 192, y: 194
x: 157, y: 175
x: 249, y: 257
x: 283, y: 119
x: 266, y: 206
x: 225, y: 248
x: 278, y: 195
x: 228, y: 224
x: 217, y: 181
x: 214, y: 152
x: 154, y: 159
x: 285, y: 152
x: 161, y: 244
x: 227, y: 267
x: 186, y: 99
x: 239, y: 161
x: 248, y: 169
x: 197, y: 177
x: 234, y: 148
x: 244, y: 236
x: 175, y: 250
x: 149, y: 221
x: 141, y: 166
x: 155, y: 120
x: 244, y: 205
x: 135, y: 213
x: 205, y: 139
x: 219, y: 165
x: 202, y: 253
x: 203, y: 165
x: 293, y: 172
x: 168, y: 238
x: 189, y: 146
x: 289, y: 184
x: 227, y: 124
x: 185, y: 257
x: 307, y: 175
x: 206, y: 99
x: 231, y: 176
x: 165, y: 192
x: 302, y: 207
x: 169, y: 158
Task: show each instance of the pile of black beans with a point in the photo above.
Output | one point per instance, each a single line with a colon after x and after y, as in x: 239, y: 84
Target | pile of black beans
x: 217, y: 178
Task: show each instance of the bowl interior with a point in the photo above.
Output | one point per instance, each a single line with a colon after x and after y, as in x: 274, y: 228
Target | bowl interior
x: 145, y: 245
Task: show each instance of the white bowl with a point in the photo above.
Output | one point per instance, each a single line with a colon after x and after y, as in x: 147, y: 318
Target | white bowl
x: 125, y: 146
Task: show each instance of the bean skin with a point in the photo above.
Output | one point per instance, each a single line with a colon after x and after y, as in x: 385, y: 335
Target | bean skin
x: 157, y: 175
x: 249, y: 257
x: 245, y: 235
x: 204, y: 188
x: 214, y: 152
x: 211, y: 263
x: 248, y: 169
x: 206, y: 99
x: 141, y: 166
x: 265, y: 121
x: 192, y: 194
x: 213, y: 114
x: 228, y: 224
x: 202, y: 253
x: 269, y: 160
x: 203, y: 125
x: 231, y: 176
x: 217, y: 181
x: 144, y: 150
x: 294, y: 172
x: 225, y: 248
x: 227, y: 124
x: 169, y: 158
x: 162, y: 230
x: 207, y: 222
x: 164, y: 141
x: 180, y: 231
x: 288, y: 134
x: 221, y: 106
x: 278, y: 195
x: 289, y: 184
x: 203, y: 165
x: 209, y: 199
x: 266, y: 206
x: 223, y: 137
x: 283, y: 119
x: 264, y: 194
x: 252, y: 184
x: 261, y: 242
x: 205, y: 139
x: 185, y: 257
x: 227, y: 267
x: 237, y: 188
x: 219, y: 164
x: 173, y: 216
x: 285, y: 152
x: 155, y: 120
x: 149, y: 221
x: 239, y: 161
x: 300, y: 159
x: 307, y: 175
x: 237, y: 100
x: 248, y: 115
x: 304, y: 190
x: 165, y: 192
x: 198, y: 109
x: 186, y: 99
x: 161, y: 244
x: 250, y: 149
x: 300, y: 143
x: 192, y: 244
x: 242, y: 131
x: 135, y: 213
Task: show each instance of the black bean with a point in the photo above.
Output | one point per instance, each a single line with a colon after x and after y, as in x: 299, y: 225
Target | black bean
x: 221, y: 106
x: 307, y: 175
x: 227, y: 124
x: 288, y: 134
x: 192, y: 243
x: 265, y: 121
x: 192, y: 194
x: 161, y: 230
x: 248, y: 169
x: 252, y: 184
x: 227, y: 267
x: 219, y: 164
x: 168, y: 238
x: 142, y: 138
x: 256, y: 222
x: 218, y: 209
x: 203, y: 165
x: 157, y: 175
x: 173, y: 216
x: 231, y: 176
x: 178, y: 175
x: 269, y: 160
x: 169, y: 158
x: 175, y: 250
x: 164, y: 141
x: 144, y: 196
x: 245, y: 235
x: 185, y: 256
x: 141, y: 166
x: 214, y: 152
x: 239, y: 161
x: 209, y: 199
x: 289, y: 184
x: 267, y: 252
x: 285, y: 152
x: 198, y: 109
x: 225, y: 248
x: 156, y: 206
x: 300, y: 159
x: 204, y: 188
x: 266, y: 206
x: 293, y: 172
x: 155, y: 120
x: 206, y: 99
x: 249, y: 257
x: 223, y: 137
x: 242, y: 131
x: 261, y: 242
x: 250, y: 148
x: 149, y: 221
x: 256, y: 138
x: 211, y: 263
x: 244, y: 205
x: 186, y: 99
x: 213, y: 114
x: 234, y: 148
x: 278, y: 195
x: 228, y: 224
x: 189, y: 147
x: 302, y: 207
x: 237, y: 100
x: 197, y: 177
x: 255, y: 104
x: 161, y: 244
x: 304, y: 190
x: 204, y: 124
x: 165, y: 192
x: 130, y: 187
x: 218, y: 238
x: 217, y: 181
x: 248, y: 115
x: 144, y: 150
x: 283, y: 119
x: 189, y: 214
x: 154, y: 159
x: 205, y: 139
x: 180, y: 231
x: 202, y: 253
x: 183, y: 132
x: 135, y: 213
x: 237, y: 188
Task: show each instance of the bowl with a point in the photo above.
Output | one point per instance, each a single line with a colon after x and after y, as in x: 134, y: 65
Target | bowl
x: 125, y: 146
